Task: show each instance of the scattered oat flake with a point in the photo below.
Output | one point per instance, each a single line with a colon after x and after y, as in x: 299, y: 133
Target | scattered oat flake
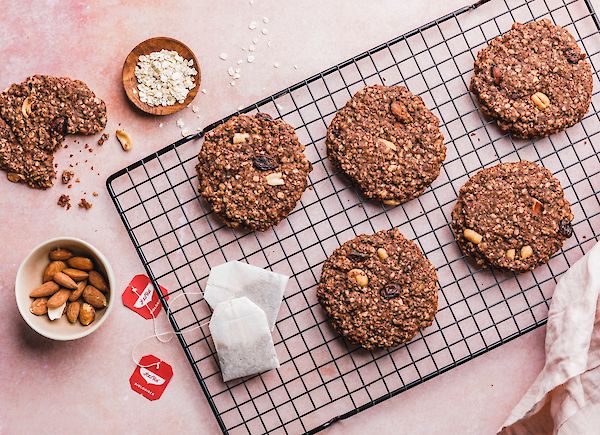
x: 240, y: 61
x: 180, y: 123
x: 255, y: 41
x: 276, y: 64
x: 185, y: 133
x: 265, y: 20
x: 252, y: 25
x: 296, y: 67
x: 64, y: 201
x: 269, y: 43
x: 250, y: 58
x: 160, y: 125
x: 252, y: 48
x: 204, y: 91
x: 265, y: 31
x: 230, y: 71
x: 83, y: 203
x: 195, y: 109
x: 232, y: 83
x: 223, y: 56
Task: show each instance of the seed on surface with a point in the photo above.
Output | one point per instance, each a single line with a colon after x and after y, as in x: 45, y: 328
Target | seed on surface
x: 472, y: 236
x: 510, y: 254
x: 526, y: 252
x: 240, y: 137
x: 382, y: 253
x: 386, y: 143
x: 400, y: 112
x: 359, y: 276
x: 26, y: 107
x: 541, y: 100
x: 275, y: 179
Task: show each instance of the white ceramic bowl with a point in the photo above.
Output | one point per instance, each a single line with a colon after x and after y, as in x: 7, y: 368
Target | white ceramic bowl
x: 29, y: 276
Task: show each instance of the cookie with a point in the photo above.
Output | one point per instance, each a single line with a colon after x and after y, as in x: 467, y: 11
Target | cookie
x: 35, y: 116
x: 379, y: 289
x: 252, y: 171
x: 387, y: 142
x: 533, y: 80
x: 512, y: 216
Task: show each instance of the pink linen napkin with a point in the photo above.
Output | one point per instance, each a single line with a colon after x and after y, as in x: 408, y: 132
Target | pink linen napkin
x: 565, y: 397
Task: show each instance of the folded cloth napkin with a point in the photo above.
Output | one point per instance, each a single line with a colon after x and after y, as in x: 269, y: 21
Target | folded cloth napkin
x: 565, y: 397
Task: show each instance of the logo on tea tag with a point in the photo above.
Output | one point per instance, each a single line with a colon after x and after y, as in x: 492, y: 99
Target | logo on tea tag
x: 141, y: 297
x: 151, y: 380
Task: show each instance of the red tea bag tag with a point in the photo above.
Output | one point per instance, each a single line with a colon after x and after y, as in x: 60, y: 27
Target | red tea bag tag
x: 141, y: 297
x: 152, y: 379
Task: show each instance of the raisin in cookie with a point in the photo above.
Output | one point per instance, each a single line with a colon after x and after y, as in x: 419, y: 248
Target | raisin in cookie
x: 379, y: 289
x: 35, y: 116
x: 513, y: 216
x: 388, y: 143
x: 533, y: 80
x: 252, y: 171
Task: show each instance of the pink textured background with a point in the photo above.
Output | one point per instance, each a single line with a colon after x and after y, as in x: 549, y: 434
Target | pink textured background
x: 51, y: 387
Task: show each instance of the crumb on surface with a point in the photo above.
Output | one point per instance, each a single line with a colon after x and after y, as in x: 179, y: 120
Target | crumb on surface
x: 83, y: 203
x: 64, y: 201
x: 102, y: 139
x: 67, y: 176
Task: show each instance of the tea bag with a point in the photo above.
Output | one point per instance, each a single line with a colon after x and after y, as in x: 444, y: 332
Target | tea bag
x: 236, y: 279
x: 242, y: 338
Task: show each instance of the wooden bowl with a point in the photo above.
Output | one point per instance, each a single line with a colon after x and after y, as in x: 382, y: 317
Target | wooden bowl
x: 149, y: 46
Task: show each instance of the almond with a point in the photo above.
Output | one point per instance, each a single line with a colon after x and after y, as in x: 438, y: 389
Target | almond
x: 76, y: 274
x: 80, y: 263
x: 52, y: 268
x: 86, y: 314
x: 46, y: 289
x: 58, y: 298
x: 73, y: 311
x: 60, y: 254
x: 76, y: 294
x: 39, y: 307
x: 98, y: 281
x: 64, y: 280
x: 94, y: 297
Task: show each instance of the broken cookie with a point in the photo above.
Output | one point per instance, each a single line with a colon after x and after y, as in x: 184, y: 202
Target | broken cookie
x: 35, y: 116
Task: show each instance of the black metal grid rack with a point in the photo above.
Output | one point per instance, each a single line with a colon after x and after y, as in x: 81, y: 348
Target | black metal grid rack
x: 322, y: 378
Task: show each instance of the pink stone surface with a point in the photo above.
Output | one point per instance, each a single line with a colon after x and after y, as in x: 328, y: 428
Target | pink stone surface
x: 52, y: 387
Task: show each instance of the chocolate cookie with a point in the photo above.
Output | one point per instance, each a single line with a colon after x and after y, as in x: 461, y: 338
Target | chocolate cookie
x: 35, y: 116
x: 533, y: 80
x: 513, y: 216
x: 252, y: 171
x: 379, y: 289
x: 388, y: 143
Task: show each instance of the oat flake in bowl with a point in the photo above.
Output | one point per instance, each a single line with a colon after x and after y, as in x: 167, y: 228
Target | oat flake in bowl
x: 164, y: 78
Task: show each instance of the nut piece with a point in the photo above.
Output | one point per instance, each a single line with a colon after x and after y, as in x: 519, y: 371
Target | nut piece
x: 541, y: 100
x: 75, y: 294
x: 359, y: 276
x: 46, y: 289
x: 51, y: 269
x: 86, y: 314
x: 125, y: 140
x: 391, y: 202
x: 510, y: 254
x: 13, y: 177
x: 275, y: 179
x: 98, y: 281
x: 240, y: 137
x: 537, y: 207
x: 382, y: 254
x: 472, y: 236
x: 386, y: 143
x: 80, y: 263
x: 496, y: 75
x: 526, y: 252
x: 76, y: 274
x: 26, y: 107
x: 400, y: 112
x: 39, y: 307
x: 73, y: 311
x: 58, y: 298
x: 64, y: 281
x: 60, y: 254
x: 94, y: 297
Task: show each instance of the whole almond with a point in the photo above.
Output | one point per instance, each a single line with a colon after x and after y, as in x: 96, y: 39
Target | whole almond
x: 76, y: 274
x: 73, y: 311
x: 60, y: 254
x: 52, y: 268
x: 58, y: 298
x: 80, y: 263
x: 94, y: 297
x: 86, y: 314
x: 98, y: 281
x: 64, y: 280
x: 76, y: 294
x: 39, y: 307
x: 46, y: 289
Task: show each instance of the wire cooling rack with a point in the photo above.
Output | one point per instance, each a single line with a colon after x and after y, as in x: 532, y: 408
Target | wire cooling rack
x: 322, y: 377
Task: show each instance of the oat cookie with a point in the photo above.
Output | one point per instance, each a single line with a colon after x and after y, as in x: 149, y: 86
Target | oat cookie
x: 35, y: 116
x: 388, y: 143
x: 379, y: 289
x: 533, y: 80
x: 252, y: 171
x: 512, y: 216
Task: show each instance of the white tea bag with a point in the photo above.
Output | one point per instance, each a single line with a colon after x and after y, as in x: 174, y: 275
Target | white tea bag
x: 242, y: 338
x: 236, y: 279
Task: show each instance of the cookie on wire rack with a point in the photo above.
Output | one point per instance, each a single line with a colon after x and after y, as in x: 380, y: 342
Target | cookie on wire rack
x: 252, y: 171
x: 388, y: 143
x: 379, y: 289
x: 513, y: 216
x: 533, y: 80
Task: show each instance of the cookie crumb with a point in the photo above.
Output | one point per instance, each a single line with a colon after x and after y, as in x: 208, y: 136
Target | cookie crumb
x: 83, y: 203
x: 67, y: 176
x: 64, y: 201
x: 94, y: 193
x: 102, y: 139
